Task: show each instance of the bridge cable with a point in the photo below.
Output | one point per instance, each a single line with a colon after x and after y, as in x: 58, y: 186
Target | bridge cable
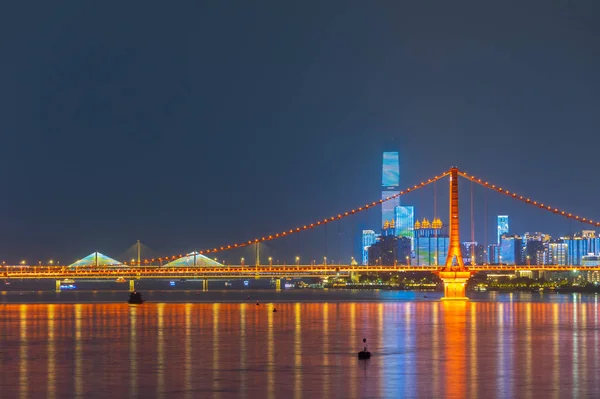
x: 307, y: 226
x: 526, y: 200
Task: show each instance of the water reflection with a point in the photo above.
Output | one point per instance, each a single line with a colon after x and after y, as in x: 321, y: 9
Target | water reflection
x: 216, y: 349
x: 297, y: 351
x: 421, y: 349
x: 23, y: 366
x: 133, y: 367
x: 160, y: 350
x: 51, y: 352
x: 243, y: 354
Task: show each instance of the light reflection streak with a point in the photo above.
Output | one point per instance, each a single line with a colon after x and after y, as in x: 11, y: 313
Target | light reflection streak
x: 556, y: 347
x: 326, y: 371
x: 216, y: 386
x: 270, y: 355
x: 188, y: 351
x: 409, y: 349
x: 243, y: 349
x: 23, y: 366
x: 575, y: 354
x: 528, y: 349
x: 160, y: 350
x: 78, y: 352
x: 501, y: 366
x: 473, y: 352
x: 435, y: 345
x: 297, y: 352
x: 352, y: 377
x: 51, y: 351
x: 380, y: 335
x: 583, y: 365
x: 596, y: 340
x: 454, y: 317
x: 133, y: 383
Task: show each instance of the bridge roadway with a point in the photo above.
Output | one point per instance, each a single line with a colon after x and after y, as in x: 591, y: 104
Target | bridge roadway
x: 228, y: 272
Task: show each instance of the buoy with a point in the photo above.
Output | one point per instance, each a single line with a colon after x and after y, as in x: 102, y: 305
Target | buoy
x: 364, y: 354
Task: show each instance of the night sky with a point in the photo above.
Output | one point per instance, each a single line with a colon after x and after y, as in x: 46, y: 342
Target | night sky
x: 196, y: 124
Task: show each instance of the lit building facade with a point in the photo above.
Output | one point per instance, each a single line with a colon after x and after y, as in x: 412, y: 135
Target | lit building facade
x: 510, y: 250
x: 404, y: 218
x: 493, y: 254
x: 473, y: 253
x: 580, y: 245
x: 431, y: 242
x: 368, y: 238
x: 502, y: 226
x: 390, y: 185
x: 557, y: 253
x: 591, y: 260
x: 390, y: 250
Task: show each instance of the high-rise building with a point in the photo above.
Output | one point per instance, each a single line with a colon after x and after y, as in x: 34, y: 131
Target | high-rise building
x: 368, y: 238
x: 510, y: 250
x: 390, y: 250
x: 431, y: 242
x: 502, y: 226
x: 557, y: 253
x: 390, y: 185
x: 404, y: 217
x: 580, y: 245
x: 472, y: 253
x: 493, y: 254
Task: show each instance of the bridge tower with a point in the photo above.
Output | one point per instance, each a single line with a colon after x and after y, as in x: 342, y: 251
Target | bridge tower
x: 454, y: 274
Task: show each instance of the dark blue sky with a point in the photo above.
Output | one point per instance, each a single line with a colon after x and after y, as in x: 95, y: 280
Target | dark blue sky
x: 193, y: 124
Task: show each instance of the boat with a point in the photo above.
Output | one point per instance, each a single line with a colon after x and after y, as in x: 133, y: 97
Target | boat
x: 68, y: 281
x: 121, y: 280
x: 364, y: 355
x: 135, y: 298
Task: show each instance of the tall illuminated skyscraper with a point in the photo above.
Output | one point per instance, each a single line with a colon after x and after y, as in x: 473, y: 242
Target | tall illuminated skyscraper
x: 502, y: 226
x: 368, y: 238
x: 390, y: 185
x: 404, y: 218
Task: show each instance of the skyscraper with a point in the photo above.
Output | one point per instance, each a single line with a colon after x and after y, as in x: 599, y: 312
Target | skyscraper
x: 502, y: 226
x: 390, y: 185
x: 510, y: 250
x: 368, y: 238
x: 431, y: 242
x: 404, y: 218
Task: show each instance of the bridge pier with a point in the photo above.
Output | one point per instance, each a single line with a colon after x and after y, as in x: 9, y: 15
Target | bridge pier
x: 132, y: 285
x: 205, y: 285
x: 455, y: 285
x: 57, y: 286
x: 278, y: 284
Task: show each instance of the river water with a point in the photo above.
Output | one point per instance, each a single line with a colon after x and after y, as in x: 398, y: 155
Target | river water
x: 182, y: 345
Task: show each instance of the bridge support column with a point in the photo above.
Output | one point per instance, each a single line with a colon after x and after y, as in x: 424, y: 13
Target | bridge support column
x: 205, y: 285
x: 455, y: 285
x: 57, y: 286
x: 131, y: 285
x: 278, y: 284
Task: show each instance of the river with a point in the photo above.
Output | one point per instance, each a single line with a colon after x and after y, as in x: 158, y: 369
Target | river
x: 221, y: 344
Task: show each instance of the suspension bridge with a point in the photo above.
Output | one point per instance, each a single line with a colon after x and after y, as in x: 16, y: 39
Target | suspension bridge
x: 453, y: 272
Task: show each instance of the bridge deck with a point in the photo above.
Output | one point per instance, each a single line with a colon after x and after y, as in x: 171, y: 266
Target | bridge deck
x: 155, y: 272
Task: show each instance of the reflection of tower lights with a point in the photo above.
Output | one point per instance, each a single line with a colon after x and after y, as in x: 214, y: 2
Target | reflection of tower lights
x: 298, y: 352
